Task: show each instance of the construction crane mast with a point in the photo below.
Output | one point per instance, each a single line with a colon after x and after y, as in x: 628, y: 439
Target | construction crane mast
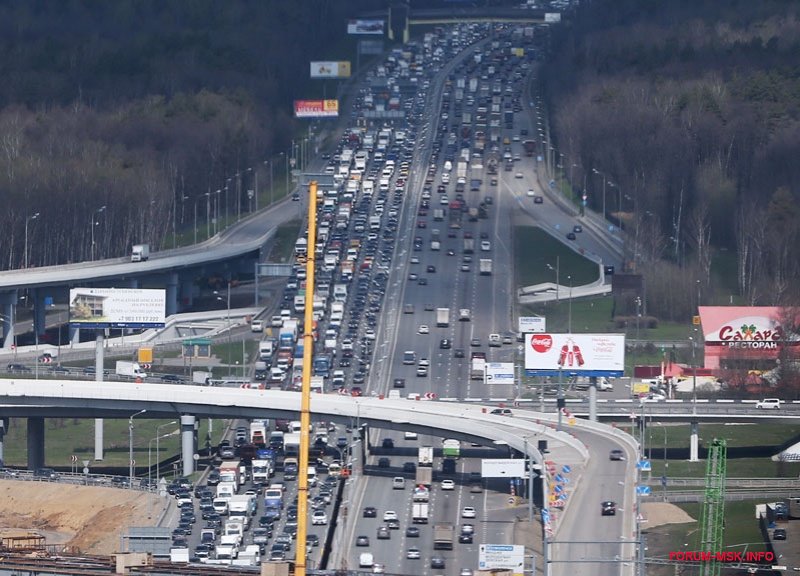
x: 713, y: 518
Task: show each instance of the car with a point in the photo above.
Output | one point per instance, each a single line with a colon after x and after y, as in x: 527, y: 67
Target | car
x: 383, y: 533
x: 362, y: 540
x: 412, y: 276
x: 437, y: 562
x: 531, y: 193
x: 356, y: 391
x: 448, y: 485
x: 387, y: 443
x: 413, y: 554
x: 779, y: 534
x: 571, y: 236
x: 409, y: 435
x: 577, y: 228
x: 422, y: 281
x: 389, y: 515
x: 431, y: 268
x: 444, y: 344
x: 370, y: 512
x: 399, y: 383
x: 468, y: 512
x: 429, y: 307
x: 616, y: 454
x: 608, y: 508
x: 465, y: 572
x: 468, y: 528
x: 486, y: 246
x: 414, y: 260
x: 384, y: 462
x: 312, y: 540
x: 378, y: 568
x: 409, y: 467
x: 458, y: 353
x: 465, y: 538
x: 538, y: 200
x: 502, y: 412
x: 408, y: 309
x: 475, y: 342
x: 423, y: 329
x: 769, y: 404
x: 422, y: 371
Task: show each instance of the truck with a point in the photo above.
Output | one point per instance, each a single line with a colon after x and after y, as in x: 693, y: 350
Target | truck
x: 291, y: 444
x: 201, y: 377
x: 322, y: 365
x: 179, y: 554
x: 477, y: 369
x: 130, y: 369
x: 485, y: 266
x: 469, y: 246
x: 530, y: 147
x: 443, y: 536
x: 451, y: 448
x: 265, y: 349
x: 140, y: 252
x: 419, y: 513
x: 425, y: 456
x: 261, y: 471
x: 258, y: 433
x: 508, y: 118
x: 226, y: 551
x: 438, y: 214
x: 473, y: 214
x: 424, y: 476
x: 455, y: 214
x: 250, y: 556
x: 242, y: 508
x: 301, y: 247
x: 229, y: 472
x: 290, y: 468
x: 435, y: 245
x: 288, y: 334
x: 473, y: 85
x: 442, y: 317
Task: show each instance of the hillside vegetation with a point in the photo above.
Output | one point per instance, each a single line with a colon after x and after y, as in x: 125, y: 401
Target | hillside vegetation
x: 143, y: 106
x: 691, y: 108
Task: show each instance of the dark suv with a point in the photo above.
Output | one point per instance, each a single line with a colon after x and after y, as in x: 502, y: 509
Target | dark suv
x: 45, y: 474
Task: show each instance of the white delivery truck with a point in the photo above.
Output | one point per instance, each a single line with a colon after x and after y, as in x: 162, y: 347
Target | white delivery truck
x: 442, y: 317
x: 130, y: 369
x: 140, y: 252
x: 201, y: 377
x: 419, y: 513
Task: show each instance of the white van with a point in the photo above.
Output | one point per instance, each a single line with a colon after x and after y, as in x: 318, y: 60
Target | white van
x: 398, y: 483
x: 311, y: 474
x: 365, y: 560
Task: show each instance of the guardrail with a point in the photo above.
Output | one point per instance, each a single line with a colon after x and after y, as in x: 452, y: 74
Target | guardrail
x: 78, y: 479
x: 744, y: 483
x: 699, y: 495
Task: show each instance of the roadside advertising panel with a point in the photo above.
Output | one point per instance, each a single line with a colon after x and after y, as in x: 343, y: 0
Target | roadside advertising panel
x: 575, y: 354
x: 502, y: 556
x: 532, y: 324
x: 502, y: 468
x: 366, y: 27
x: 552, y: 17
x: 316, y: 108
x: 117, y: 308
x: 499, y: 372
x: 330, y: 69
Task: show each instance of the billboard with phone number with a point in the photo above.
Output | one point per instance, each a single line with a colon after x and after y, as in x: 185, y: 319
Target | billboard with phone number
x: 575, y: 354
x: 116, y: 308
x: 316, y: 108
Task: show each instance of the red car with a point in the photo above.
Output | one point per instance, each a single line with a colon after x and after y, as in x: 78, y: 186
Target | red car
x: 356, y: 391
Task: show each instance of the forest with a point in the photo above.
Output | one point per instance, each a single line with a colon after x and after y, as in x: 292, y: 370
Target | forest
x: 687, y: 114
x: 116, y: 118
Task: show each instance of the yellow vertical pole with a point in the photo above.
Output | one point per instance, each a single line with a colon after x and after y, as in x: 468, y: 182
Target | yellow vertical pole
x: 305, y: 395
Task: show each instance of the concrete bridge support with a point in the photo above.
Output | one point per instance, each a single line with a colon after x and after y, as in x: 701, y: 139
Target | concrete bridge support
x: 694, y: 434
x: 8, y: 301
x: 188, y: 443
x: 35, y: 442
x: 171, y: 283
x: 3, y: 430
x: 39, y: 312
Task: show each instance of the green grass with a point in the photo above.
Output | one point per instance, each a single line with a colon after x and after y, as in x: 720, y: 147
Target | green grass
x: 531, y: 265
x: 65, y: 437
x: 284, y: 241
x: 234, y: 355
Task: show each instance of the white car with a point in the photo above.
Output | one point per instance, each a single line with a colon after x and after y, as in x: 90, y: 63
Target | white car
x: 413, y: 554
x: 369, y: 333
x: 256, y: 326
x: 448, y: 485
x: 468, y: 512
x: 389, y: 515
x: 486, y: 246
x: 414, y: 260
x: 652, y: 397
x: 769, y: 403
x: 531, y: 193
x: 518, y: 175
x: 319, y: 518
x: 410, y: 435
x: 423, y: 329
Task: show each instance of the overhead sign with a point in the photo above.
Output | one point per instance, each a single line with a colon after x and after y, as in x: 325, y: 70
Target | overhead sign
x: 116, y: 308
x: 552, y: 17
x: 499, y: 372
x: 575, y: 354
x: 330, y: 69
x: 529, y: 324
x: 316, y: 108
x: 502, y: 468
x: 366, y: 27
x: 501, y: 556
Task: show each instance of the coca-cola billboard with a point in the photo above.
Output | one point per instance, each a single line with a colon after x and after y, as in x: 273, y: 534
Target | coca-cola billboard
x: 576, y: 354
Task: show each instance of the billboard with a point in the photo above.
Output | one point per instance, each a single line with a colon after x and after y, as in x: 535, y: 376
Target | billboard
x: 575, y: 354
x: 532, y: 324
x: 366, y: 27
x: 499, y: 372
x: 552, y: 17
x: 753, y: 327
x: 502, y: 556
x: 330, y: 69
x: 116, y: 308
x: 316, y: 108
x: 502, y: 468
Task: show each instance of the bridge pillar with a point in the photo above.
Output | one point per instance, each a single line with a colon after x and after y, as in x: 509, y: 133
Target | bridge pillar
x: 187, y: 443
x: 172, y: 294
x: 3, y: 429
x: 39, y: 312
x: 35, y: 442
x: 187, y: 292
x: 8, y: 300
x: 74, y: 334
x: 593, y: 400
x: 694, y: 441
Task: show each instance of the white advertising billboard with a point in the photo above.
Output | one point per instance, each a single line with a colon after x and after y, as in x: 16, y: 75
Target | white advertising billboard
x: 532, y: 324
x: 552, y: 17
x: 330, y: 69
x: 116, y: 308
x: 365, y: 27
x: 576, y: 354
x: 502, y: 557
x: 499, y: 372
x: 502, y: 468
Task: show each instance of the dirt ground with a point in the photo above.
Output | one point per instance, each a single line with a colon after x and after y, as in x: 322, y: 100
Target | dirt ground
x: 88, y: 518
x: 660, y: 513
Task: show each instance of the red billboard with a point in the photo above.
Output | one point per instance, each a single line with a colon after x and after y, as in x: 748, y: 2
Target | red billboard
x: 316, y: 108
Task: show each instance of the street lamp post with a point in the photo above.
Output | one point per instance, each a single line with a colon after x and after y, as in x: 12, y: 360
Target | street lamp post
x: 158, y: 451
x: 569, y: 321
x: 556, y: 270
x: 130, y: 446
x: 95, y: 223
x: 271, y: 182
x: 28, y: 219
